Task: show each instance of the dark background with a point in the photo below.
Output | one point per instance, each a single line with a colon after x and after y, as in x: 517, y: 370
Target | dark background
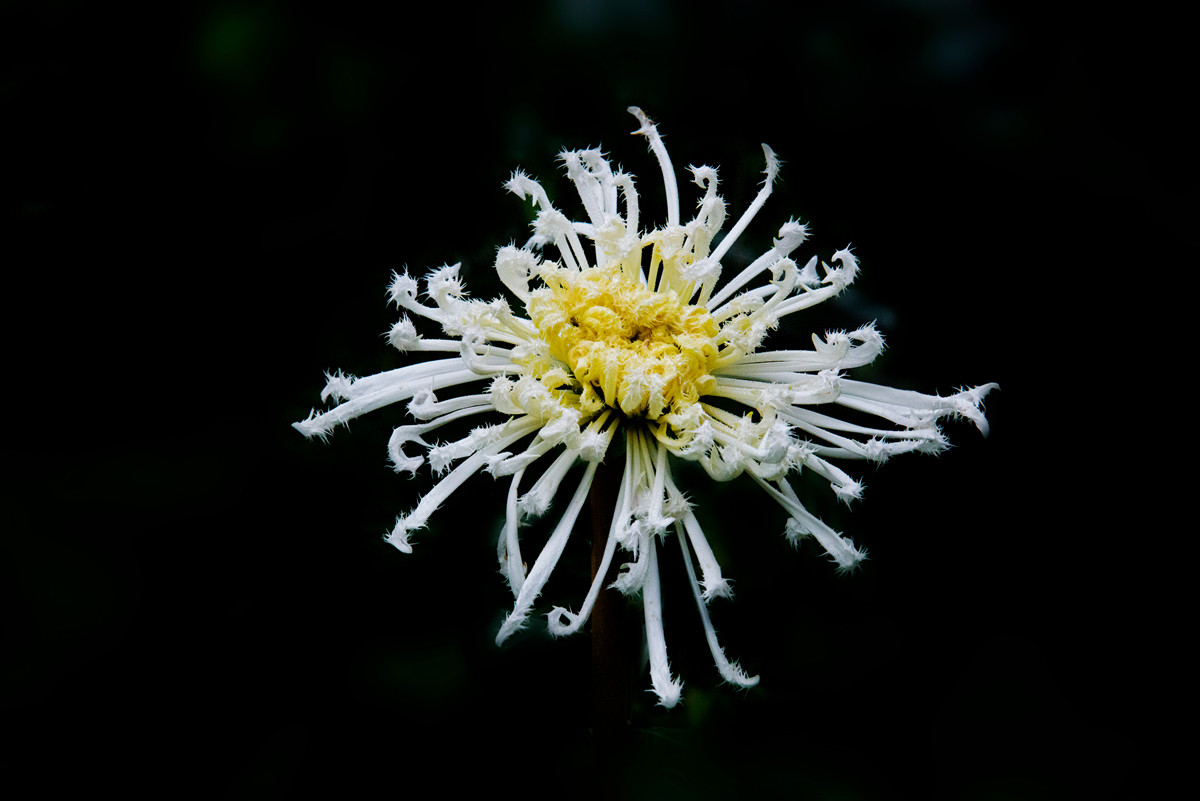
x: 202, y: 207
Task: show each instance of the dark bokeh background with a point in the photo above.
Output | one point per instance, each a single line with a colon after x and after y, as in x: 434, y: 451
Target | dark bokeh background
x: 202, y: 207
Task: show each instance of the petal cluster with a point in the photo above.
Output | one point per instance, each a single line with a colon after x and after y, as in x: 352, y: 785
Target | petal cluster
x: 637, y: 338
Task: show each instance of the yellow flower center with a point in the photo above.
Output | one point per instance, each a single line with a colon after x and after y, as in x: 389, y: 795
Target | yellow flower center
x: 643, y: 352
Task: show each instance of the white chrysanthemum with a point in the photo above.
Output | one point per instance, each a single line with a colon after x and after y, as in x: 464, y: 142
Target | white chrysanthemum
x: 629, y: 332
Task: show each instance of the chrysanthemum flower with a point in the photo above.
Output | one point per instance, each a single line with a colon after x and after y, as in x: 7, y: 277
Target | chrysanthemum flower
x: 635, y: 334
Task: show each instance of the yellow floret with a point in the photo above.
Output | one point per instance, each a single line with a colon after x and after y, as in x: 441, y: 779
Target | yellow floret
x: 640, y: 351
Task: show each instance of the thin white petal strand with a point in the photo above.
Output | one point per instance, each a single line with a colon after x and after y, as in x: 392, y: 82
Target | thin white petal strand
x: 414, y: 433
x: 914, y: 409
x: 666, y: 688
x: 547, y: 559
x: 535, y: 502
x: 563, y: 622
x: 714, y: 582
x: 636, y: 531
x: 716, y: 304
x: 512, y: 431
x: 390, y: 379
x: 399, y: 387
x: 844, y: 486
x: 658, y: 490
x: 772, y: 171
x: 732, y: 673
x: 447, y: 346
x: 590, y: 190
x: 515, y: 267
x: 842, y: 550
x: 425, y: 405
x: 508, y: 548
x: 625, y: 182
x: 818, y: 423
x: 649, y: 130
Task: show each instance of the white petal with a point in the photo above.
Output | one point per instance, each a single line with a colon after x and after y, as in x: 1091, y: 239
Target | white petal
x: 562, y: 622
x: 729, y: 671
x: 547, y: 559
x: 666, y: 688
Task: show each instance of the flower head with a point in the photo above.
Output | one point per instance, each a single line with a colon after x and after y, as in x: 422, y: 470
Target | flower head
x: 635, y: 334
